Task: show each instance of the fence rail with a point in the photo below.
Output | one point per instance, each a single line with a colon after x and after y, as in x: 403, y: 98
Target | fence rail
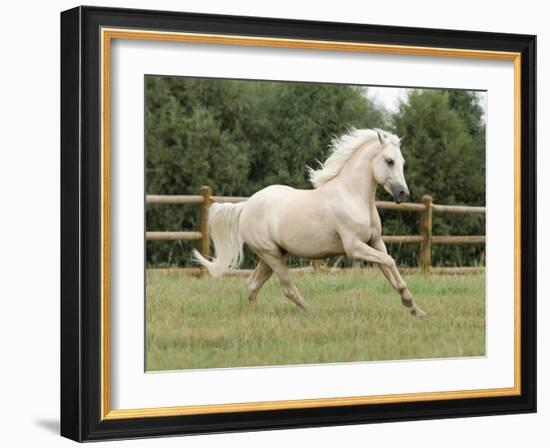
x: 425, y: 238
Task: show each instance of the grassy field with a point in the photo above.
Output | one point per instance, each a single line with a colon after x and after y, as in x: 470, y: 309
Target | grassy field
x: 204, y: 323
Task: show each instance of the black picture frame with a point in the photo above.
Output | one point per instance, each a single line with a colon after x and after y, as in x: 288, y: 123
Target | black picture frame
x: 81, y: 224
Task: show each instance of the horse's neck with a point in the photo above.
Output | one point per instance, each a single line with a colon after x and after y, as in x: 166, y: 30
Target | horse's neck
x: 357, y: 175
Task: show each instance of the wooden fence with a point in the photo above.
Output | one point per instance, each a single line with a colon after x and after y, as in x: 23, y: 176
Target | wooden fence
x: 425, y: 238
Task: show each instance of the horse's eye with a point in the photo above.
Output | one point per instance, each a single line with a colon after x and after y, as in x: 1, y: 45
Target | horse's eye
x: 389, y: 162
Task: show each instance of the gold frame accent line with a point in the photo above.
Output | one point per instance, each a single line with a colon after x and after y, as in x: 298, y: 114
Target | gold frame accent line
x: 304, y: 403
x: 517, y: 222
x: 107, y: 34
x: 219, y: 39
x: 105, y: 225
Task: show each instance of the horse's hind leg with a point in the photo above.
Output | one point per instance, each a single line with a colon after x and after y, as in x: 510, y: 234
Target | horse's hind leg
x: 277, y: 263
x: 254, y: 283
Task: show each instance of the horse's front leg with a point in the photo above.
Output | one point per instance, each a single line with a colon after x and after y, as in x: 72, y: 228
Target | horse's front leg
x: 393, y: 275
x: 379, y: 254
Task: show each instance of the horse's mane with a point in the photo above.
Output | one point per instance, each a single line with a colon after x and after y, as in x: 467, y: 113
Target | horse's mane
x: 341, y: 150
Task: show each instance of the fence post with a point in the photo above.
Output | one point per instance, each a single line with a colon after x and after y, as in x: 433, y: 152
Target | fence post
x: 317, y: 265
x: 204, y: 245
x: 426, y: 232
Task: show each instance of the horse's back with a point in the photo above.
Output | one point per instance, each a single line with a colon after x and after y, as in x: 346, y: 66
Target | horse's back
x: 266, y: 206
x: 274, y: 194
x: 295, y: 220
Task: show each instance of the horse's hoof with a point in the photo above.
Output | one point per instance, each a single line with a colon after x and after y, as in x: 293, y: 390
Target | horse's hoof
x: 418, y: 312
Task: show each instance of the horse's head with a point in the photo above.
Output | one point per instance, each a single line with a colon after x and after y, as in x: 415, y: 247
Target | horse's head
x: 388, y: 167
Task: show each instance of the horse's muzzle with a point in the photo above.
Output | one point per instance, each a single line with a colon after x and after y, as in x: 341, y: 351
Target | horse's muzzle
x: 400, y: 193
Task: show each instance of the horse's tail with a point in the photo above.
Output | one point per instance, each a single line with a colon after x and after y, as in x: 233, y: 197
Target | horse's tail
x: 223, y: 225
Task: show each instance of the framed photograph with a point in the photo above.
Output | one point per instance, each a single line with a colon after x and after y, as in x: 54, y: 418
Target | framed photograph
x: 273, y: 223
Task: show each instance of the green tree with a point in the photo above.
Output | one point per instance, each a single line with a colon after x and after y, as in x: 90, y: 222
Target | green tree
x: 238, y: 137
x: 298, y: 122
x: 445, y: 153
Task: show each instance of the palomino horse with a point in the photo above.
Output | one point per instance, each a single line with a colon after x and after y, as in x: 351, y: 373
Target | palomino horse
x: 337, y: 217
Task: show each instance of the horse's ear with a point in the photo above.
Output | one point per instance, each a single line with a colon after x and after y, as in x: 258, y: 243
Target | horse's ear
x: 380, y: 136
x: 401, y: 138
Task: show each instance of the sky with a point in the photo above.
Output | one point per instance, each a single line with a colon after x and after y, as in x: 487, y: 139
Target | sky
x: 387, y: 96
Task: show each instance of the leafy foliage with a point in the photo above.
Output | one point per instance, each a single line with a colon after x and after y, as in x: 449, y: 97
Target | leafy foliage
x: 240, y: 136
x: 444, y: 146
